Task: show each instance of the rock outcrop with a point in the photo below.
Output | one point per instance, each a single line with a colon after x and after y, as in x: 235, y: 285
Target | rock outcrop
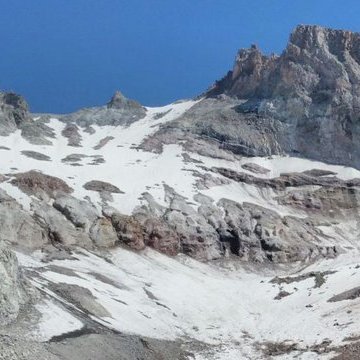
x: 304, y: 102
x: 14, y: 112
x: 118, y: 111
x: 39, y: 184
x: 313, y: 88
x: 12, y: 290
x: 17, y: 226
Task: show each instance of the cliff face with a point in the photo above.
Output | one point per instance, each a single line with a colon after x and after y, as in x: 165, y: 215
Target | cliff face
x: 316, y: 59
x: 313, y: 88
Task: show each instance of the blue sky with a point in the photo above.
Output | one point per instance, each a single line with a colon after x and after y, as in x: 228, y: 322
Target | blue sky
x: 66, y: 54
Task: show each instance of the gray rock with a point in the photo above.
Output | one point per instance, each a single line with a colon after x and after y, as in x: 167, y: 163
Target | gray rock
x: 255, y: 168
x: 102, y: 186
x: 59, y: 230
x: 119, y: 111
x: 12, y: 291
x: 14, y: 112
x: 36, y: 155
x: 103, y: 234
x: 129, y: 231
x: 81, y: 297
x: 72, y: 133
x: 304, y: 102
x: 313, y: 88
x: 103, y: 142
x: 17, y: 226
x: 74, y: 158
x: 37, y: 132
x: 81, y: 213
x: 351, y: 294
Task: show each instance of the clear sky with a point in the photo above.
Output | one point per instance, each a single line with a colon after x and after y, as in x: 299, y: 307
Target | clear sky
x: 66, y: 54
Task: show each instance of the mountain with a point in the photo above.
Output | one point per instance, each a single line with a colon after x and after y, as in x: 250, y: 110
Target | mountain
x: 310, y: 93
x: 221, y: 227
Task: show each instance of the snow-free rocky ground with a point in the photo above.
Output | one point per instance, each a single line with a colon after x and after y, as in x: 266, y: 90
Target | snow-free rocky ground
x: 129, y: 232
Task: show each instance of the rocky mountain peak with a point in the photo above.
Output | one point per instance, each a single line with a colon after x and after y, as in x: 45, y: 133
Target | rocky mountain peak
x: 14, y: 112
x: 248, y: 61
x: 311, y: 91
x: 15, y: 100
x: 120, y: 102
x: 316, y: 58
x: 118, y: 111
x: 311, y: 37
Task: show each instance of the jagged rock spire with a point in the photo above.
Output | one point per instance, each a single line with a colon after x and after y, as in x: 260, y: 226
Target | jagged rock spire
x: 117, y: 101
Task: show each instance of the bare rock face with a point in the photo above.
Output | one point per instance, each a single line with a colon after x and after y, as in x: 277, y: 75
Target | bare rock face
x: 103, y: 234
x: 316, y: 59
x: 258, y: 234
x: 178, y: 227
x: 313, y: 87
x: 17, y: 226
x: 304, y: 102
x: 14, y: 112
x: 161, y: 237
x: 14, y: 115
x: 59, y: 231
x: 129, y: 231
x: 81, y: 213
x: 103, y: 142
x: 13, y: 293
x: 36, y: 155
x: 326, y: 202
x: 254, y: 168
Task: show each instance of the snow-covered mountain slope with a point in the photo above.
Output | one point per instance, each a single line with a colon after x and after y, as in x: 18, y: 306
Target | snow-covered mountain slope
x: 241, y: 314
x: 233, y: 311
x: 208, y: 229
x: 122, y: 163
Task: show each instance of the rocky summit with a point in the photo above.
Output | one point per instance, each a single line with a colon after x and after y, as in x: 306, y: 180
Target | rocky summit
x: 221, y: 227
x: 310, y: 93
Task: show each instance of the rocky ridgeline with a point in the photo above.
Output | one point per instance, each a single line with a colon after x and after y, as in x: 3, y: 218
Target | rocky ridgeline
x: 304, y: 102
x: 15, y: 115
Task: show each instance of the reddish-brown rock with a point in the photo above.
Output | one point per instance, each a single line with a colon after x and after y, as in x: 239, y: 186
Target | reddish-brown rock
x: 129, y: 231
x: 161, y: 237
x: 34, y: 182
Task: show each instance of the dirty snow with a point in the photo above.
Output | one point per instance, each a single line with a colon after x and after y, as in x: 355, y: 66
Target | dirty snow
x: 153, y: 295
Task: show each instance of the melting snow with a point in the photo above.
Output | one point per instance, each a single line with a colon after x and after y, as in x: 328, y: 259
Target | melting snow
x: 153, y: 295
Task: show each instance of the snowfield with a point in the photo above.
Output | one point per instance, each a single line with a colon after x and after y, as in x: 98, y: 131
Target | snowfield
x: 236, y: 309
x: 135, y: 171
x: 233, y: 309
